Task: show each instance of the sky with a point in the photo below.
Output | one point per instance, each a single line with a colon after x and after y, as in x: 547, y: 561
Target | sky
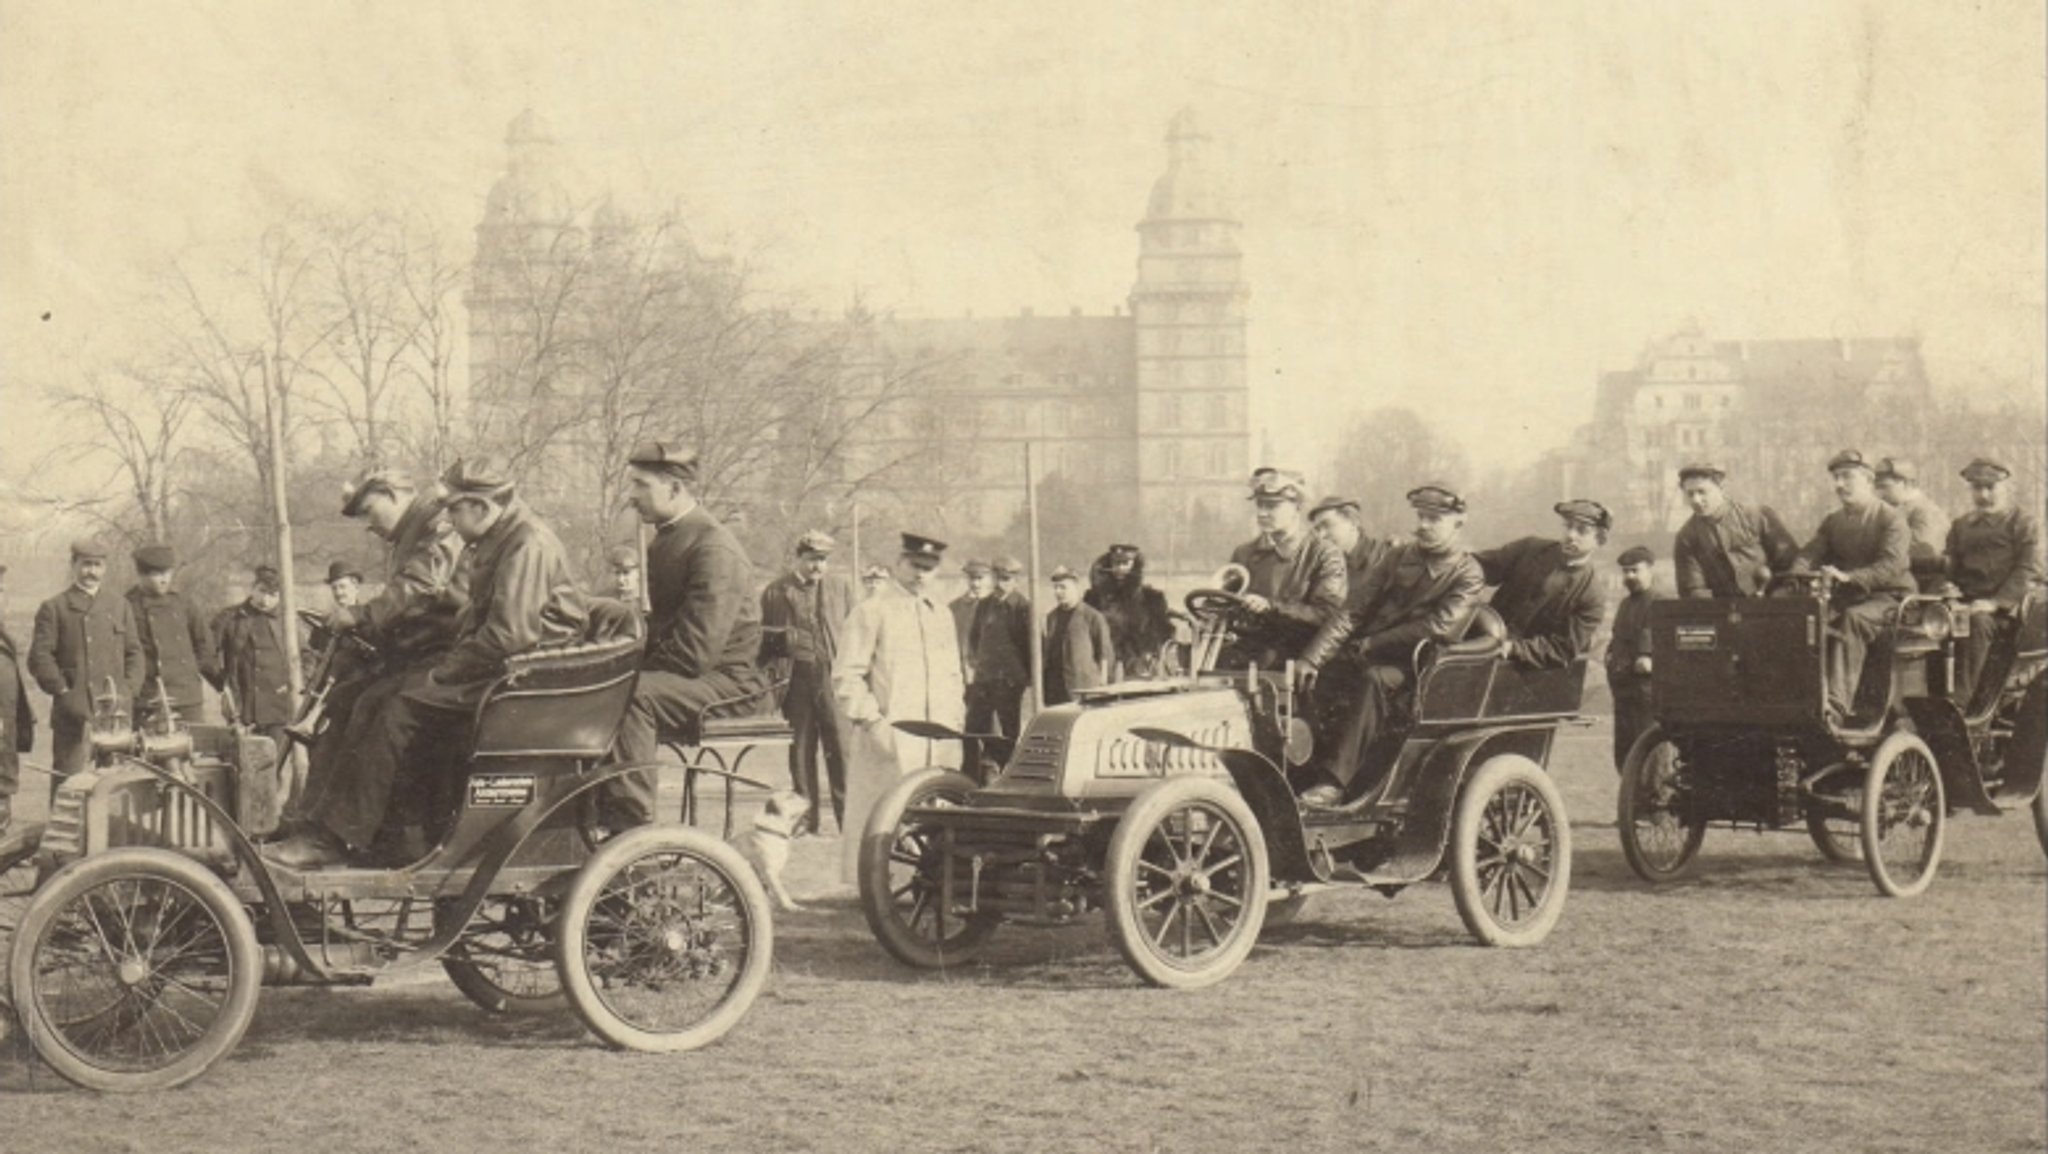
x: 1467, y: 208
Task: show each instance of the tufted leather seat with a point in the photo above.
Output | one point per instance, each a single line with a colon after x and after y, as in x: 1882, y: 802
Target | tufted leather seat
x: 565, y: 701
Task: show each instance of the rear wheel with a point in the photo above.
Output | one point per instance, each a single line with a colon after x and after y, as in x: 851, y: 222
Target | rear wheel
x: 1837, y: 828
x: 1905, y: 815
x: 135, y: 969
x: 900, y: 878
x: 505, y: 960
x: 1511, y: 853
x: 1186, y: 883
x: 664, y: 940
x: 1660, y: 833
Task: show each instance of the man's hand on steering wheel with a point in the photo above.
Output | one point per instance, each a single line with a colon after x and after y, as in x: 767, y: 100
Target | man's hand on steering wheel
x: 1253, y: 603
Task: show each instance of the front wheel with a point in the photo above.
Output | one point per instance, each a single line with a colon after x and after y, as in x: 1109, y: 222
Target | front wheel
x: 135, y: 969
x: 1905, y: 815
x: 901, y: 877
x: 1511, y: 853
x: 664, y: 940
x: 1186, y: 883
x: 1660, y: 832
x: 504, y: 961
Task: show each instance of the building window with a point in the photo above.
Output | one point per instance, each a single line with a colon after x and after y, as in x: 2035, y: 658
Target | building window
x: 1169, y: 410
x: 1169, y: 459
x: 1692, y: 401
x: 1219, y: 459
x: 1219, y: 412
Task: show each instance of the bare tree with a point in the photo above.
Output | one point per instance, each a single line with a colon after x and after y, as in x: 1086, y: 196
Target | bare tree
x: 136, y: 424
x: 368, y: 322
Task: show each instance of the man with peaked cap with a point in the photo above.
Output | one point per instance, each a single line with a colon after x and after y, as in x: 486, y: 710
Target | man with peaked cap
x: 703, y: 624
x: 344, y: 584
x: 1726, y: 549
x: 1864, y: 547
x: 1298, y: 583
x: 898, y: 661
x: 1138, y: 616
x: 1548, y: 594
x: 1628, y: 651
x: 1898, y: 485
x: 17, y: 718
x: 1424, y: 591
x: 1993, y: 556
x: 177, y: 647
x: 803, y: 613
x: 521, y: 596
x: 1001, y: 640
x: 981, y: 582
x: 1079, y: 649
x: 82, y: 639
x: 1335, y: 519
x: 253, y: 670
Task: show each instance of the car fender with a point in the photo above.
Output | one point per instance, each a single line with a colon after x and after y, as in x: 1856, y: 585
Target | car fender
x: 1265, y: 789
x: 1439, y: 776
x: 2027, y: 750
x: 1940, y: 724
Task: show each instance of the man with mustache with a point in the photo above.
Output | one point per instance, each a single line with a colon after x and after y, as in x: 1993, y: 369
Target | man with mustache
x: 82, y: 638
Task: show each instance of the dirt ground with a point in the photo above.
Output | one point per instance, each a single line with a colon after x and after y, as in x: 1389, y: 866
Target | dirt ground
x: 1773, y: 1003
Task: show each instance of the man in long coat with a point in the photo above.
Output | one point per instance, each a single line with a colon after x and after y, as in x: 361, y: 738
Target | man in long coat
x: 177, y: 647
x: 1000, y: 641
x: 898, y: 661
x: 17, y: 719
x: 1079, y: 650
x: 254, y: 672
x: 83, y: 638
x: 803, y: 613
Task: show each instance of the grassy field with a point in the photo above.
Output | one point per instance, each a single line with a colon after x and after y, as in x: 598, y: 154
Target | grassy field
x: 1773, y: 1003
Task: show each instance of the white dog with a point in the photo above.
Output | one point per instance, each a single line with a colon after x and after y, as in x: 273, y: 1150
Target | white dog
x: 766, y: 845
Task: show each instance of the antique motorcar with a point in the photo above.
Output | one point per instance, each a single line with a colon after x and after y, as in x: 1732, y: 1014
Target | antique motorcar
x: 1743, y: 738
x: 147, y: 919
x: 1166, y: 806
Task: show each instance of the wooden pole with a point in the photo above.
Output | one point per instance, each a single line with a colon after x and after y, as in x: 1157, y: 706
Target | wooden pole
x: 1031, y: 507
x: 287, y: 595
x: 860, y: 564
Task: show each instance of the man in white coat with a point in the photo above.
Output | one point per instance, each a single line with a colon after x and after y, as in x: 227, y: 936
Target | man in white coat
x: 899, y: 660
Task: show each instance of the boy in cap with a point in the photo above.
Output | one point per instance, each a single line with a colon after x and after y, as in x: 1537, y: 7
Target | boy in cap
x: 1898, y: 485
x: 1628, y: 651
x: 1000, y: 640
x: 897, y: 662
x: 1548, y: 595
x: 81, y: 640
x: 1336, y: 520
x: 802, y: 615
x: 1298, y: 583
x: 1424, y: 591
x: 1993, y: 556
x: 1726, y: 549
x: 252, y: 664
x: 17, y: 719
x: 1079, y: 649
x: 1138, y: 617
x: 177, y: 647
x: 1864, y: 547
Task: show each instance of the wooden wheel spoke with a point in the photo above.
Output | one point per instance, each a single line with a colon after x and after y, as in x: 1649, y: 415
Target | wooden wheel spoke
x: 1178, y: 909
x: 1209, y: 924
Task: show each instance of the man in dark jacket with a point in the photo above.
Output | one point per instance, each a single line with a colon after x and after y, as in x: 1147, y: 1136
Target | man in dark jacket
x: 1993, y: 554
x: 83, y: 639
x: 251, y: 659
x: 802, y: 613
x: 1898, y: 485
x: 1628, y: 651
x: 1726, y: 549
x: 1424, y: 591
x: 17, y: 720
x: 1137, y: 613
x: 1549, y: 597
x: 1335, y: 519
x: 704, y: 627
x: 1865, y: 548
x: 1298, y: 585
x: 981, y: 581
x: 177, y: 648
x: 1001, y: 643
x: 1078, y: 647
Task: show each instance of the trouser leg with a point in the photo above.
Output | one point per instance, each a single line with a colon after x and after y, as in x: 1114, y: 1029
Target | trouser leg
x: 69, y: 751
x: 1631, y: 715
x: 832, y: 737
x: 664, y: 703
x: 1010, y: 713
x: 1857, y: 626
x: 800, y: 709
x: 354, y: 804
x: 1382, y: 694
x: 1974, y: 652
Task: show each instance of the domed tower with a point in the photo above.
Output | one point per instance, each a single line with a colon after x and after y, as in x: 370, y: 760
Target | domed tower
x: 528, y: 231
x: 1188, y: 312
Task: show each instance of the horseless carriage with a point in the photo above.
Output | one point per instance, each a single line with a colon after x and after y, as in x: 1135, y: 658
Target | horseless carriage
x: 1166, y: 805
x: 1743, y: 737
x: 150, y: 918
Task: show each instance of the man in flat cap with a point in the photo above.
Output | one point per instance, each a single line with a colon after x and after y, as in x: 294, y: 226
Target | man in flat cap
x: 897, y: 662
x: 1298, y: 584
x: 1000, y: 639
x: 1864, y: 547
x: 1425, y: 590
x: 981, y: 582
x: 1138, y: 617
x: 803, y: 613
x: 17, y: 718
x: 1726, y: 549
x: 1548, y: 594
x: 1898, y: 485
x: 1079, y: 649
x: 1628, y: 650
x: 179, y: 660
x: 82, y: 639
x: 254, y: 674
x: 1336, y: 520
x: 1993, y: 556
x: 703, y: 624
x: 521, y: 596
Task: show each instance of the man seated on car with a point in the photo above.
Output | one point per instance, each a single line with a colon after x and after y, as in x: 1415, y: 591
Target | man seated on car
x: 1549, y: 597
x: 1726, y: 548
x: 522, y: 596
x: 1297, y: 584
x: 1994, y: 556
x: 1865, y: 548
x: 1424, y: 591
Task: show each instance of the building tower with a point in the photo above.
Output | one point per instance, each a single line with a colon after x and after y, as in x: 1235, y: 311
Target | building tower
x: 1188, y: 312
x: 524, y: 239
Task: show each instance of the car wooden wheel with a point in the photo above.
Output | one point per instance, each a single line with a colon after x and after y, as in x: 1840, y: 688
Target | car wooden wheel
x: 135, y: 969
x: 1186, y: 883
x: 900, y: 876
x: 664, y: 940
x: 1837, y: 827
x: 1511, y: 853
x: 505, y: 959
x: 1660, y: 834
x: 1905, y: 815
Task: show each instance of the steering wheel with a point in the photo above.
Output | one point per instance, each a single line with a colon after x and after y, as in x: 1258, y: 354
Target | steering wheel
x: 1210, y: 604
x: 313, y: 618
x: 1804, y: 583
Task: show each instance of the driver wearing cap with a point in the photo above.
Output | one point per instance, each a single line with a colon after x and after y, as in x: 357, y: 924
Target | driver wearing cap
x: 1549, y: 597
x: 1865, y: 547
x: 1298, y: 581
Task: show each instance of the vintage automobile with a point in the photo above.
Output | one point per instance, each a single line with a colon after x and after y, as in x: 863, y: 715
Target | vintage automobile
x: 1742, y: 736
x: 150, y: 919
x: 1166, y: 806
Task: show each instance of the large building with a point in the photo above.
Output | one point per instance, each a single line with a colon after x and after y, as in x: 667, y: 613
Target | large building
x: 1144, y: 410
